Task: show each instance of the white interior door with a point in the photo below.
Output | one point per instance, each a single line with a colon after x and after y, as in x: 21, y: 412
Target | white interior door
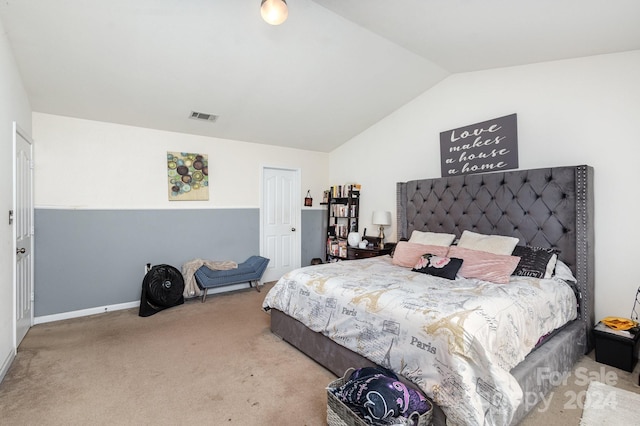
x: 23, y: 231
x: 280, y: 221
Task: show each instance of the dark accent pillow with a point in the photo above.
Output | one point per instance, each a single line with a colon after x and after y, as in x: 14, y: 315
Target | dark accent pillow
x: 536, y: 262
x: 439, y: 266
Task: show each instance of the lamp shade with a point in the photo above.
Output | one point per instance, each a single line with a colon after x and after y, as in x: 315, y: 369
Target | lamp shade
x: 381, y: 218
x: 274, y: 12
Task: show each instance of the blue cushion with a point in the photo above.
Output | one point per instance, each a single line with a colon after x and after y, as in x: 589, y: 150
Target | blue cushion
x: 251, y: 269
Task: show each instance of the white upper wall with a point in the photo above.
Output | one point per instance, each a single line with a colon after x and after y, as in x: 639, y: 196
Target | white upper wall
x: 571, y: 112
x: 95, y: 165
x: 14, y: 106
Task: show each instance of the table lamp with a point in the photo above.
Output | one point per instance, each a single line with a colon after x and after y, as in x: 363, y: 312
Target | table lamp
x: 381, y: 219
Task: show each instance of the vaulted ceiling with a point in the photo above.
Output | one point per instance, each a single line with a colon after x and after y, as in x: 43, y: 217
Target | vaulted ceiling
x: 333, y: 69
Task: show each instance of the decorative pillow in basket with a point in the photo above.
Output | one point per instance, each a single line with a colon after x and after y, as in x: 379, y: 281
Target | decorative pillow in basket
x: 378, y: 397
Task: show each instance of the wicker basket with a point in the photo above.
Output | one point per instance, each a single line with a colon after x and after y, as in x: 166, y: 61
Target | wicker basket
x: 339, y: 414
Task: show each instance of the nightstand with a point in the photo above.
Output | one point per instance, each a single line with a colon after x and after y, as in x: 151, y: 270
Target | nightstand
x: 615, y: 348
x: 363, y: 253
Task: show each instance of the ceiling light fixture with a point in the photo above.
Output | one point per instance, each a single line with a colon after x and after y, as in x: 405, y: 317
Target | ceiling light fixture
x: 274, y: 12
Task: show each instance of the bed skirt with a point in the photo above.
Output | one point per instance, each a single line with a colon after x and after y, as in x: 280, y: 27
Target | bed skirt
x: 536, y: 374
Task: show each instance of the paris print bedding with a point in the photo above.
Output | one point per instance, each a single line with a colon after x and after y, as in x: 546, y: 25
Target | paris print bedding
x: 456, y: 339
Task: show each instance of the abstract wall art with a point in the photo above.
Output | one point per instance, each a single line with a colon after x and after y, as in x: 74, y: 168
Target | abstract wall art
x: 188, y: 176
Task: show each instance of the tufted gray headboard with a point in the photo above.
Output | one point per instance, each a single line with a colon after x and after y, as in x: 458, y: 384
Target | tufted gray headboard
x: 550, y: 207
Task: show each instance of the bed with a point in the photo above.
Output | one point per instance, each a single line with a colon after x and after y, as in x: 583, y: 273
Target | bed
x: 474, y: 383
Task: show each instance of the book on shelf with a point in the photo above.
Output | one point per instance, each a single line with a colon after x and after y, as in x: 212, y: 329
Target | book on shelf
x: 337, y: 248
x: 339, y: 210
x: 342, y: 250
x: 342, y: 230
x: 343, y: 191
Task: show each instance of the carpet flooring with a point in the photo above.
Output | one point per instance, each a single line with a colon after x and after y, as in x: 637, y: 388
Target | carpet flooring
x: 605, y: 405
x: 199, y: 363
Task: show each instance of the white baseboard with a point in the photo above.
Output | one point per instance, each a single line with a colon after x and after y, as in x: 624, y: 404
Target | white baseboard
x: 8, y: 360
x: 85, y: 312
x: 102, y: 309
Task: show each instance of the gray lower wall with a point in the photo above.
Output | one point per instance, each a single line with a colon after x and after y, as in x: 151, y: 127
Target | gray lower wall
x: 90, y: 258
x: 314, y: 231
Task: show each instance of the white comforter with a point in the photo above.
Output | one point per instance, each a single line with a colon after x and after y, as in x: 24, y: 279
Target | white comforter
x: 457, y: 340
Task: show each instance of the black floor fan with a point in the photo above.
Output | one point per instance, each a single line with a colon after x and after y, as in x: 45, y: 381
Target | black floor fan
x: 162, y: 288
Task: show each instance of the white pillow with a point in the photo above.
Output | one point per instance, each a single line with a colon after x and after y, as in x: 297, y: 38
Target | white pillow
x: 563, y: 272
x: 496, y: 244
x: 432, y: 238
x: 551, y: 266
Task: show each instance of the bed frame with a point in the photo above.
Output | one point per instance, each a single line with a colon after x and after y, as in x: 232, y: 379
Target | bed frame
x: 550, y: 207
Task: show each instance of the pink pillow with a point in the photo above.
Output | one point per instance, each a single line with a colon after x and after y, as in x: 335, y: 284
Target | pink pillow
x: 407, y: 254
x: 483, y: 265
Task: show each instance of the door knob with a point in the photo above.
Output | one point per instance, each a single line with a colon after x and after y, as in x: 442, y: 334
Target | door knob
x: 21, y: 251
x: 293, y: 229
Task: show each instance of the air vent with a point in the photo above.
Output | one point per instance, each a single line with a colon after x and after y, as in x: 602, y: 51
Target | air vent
x: 203, y: 116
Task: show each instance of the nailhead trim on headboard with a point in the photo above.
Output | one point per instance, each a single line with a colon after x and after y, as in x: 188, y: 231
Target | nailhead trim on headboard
x: 584, y: 247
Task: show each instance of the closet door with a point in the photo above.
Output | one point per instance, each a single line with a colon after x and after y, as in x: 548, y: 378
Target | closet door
x: 280, y: 221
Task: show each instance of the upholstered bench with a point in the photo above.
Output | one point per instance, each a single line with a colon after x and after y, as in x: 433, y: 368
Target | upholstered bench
x: 251, y: 271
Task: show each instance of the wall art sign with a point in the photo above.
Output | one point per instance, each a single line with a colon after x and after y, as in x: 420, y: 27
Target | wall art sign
x: 482, y: 147
x: 188, y: 176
